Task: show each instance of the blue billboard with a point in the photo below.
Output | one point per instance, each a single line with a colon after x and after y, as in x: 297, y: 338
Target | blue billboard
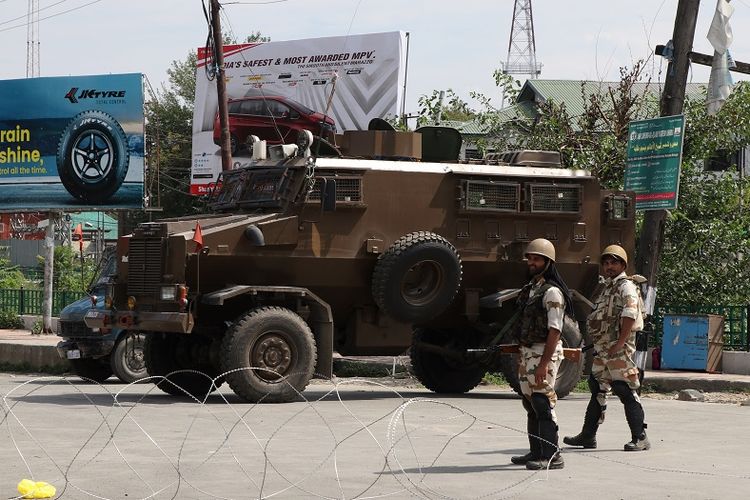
x: 71, y: 143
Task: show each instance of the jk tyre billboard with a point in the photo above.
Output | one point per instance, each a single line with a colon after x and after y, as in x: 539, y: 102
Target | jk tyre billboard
x: 368, y: 71
x: 71, y: 143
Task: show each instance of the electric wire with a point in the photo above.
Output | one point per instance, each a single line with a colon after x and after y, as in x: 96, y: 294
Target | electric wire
x: 52, y: 15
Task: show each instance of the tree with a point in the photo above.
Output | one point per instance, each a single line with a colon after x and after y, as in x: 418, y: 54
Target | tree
x: 453, y: 108
x: 705, y: 258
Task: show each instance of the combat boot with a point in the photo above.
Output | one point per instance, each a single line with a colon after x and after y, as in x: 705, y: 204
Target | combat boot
x: 532, y: 426
x: 557, y: 462
x: 639, y: 443
x: 587, y: 436
x: 583, y: 438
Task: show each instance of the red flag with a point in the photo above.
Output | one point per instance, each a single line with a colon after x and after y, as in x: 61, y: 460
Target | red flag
x: 198, y: 237
x: 78, y: 236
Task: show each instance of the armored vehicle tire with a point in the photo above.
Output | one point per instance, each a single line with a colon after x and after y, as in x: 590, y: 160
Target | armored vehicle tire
x: 417, y: 277
x: 92, y: 156
x: 439, y: 373
x: 569, y: 373
x: 167, y: 355
x: 269, y: 355
x: 92, y: 369
x: 127, y: 360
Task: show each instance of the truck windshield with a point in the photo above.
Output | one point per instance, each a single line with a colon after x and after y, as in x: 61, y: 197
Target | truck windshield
x: 105, y: 268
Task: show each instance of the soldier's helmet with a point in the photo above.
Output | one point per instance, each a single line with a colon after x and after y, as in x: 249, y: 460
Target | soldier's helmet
x: 542, y: 247
x: 615, y: 251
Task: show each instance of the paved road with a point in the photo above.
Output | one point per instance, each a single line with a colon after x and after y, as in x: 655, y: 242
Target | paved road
x: 363, y: 441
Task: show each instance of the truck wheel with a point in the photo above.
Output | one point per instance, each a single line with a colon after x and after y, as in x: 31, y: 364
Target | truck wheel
x: 93, y: 369
x: 417, y: 277
x: 164, y: 354
x: 126, y: 359
x: 440, y: 373
x: 569, y: 373
x: 92, y: 156
x: 269, y: 355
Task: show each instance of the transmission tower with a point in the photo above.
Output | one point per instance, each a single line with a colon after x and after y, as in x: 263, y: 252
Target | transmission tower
x: 32, y: 40
x: 522, y: 47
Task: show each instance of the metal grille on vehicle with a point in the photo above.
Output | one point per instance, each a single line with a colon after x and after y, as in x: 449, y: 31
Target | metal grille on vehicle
x: 144, y: 266
x: 491, y: 196
x: 555, y: 198
x: 348, y: 190
x: 71, y: 329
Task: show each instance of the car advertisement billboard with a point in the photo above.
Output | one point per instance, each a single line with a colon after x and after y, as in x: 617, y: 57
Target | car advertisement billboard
x: 71, y: 143
x: 277, y: 88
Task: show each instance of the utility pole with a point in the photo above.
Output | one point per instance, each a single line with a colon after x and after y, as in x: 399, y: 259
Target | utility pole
x: 221, y: 86
x: 672, y: 102
x: 49, y: 263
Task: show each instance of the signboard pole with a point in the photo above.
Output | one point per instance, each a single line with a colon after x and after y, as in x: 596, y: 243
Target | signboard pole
x: 673, y: 99
x: 49, y: 266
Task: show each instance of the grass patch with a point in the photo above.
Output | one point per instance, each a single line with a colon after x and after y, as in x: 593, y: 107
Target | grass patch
x: 343, y: 368
x: 494, y: 379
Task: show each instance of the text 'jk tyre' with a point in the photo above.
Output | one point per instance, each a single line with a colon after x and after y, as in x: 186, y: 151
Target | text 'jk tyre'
x: 269, y: 355
x: 92, y: 156
x: 417, y: 278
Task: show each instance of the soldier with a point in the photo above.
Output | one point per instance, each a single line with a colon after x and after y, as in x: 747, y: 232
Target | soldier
x: 612, y: 325
x: 543, y: 302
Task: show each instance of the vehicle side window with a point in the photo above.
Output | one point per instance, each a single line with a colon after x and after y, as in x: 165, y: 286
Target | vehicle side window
x: 252, y: 108
x: 278, y: 109
x: 234, y: 107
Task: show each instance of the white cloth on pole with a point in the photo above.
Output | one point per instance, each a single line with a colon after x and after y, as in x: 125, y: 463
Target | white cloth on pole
x: 720, y: 36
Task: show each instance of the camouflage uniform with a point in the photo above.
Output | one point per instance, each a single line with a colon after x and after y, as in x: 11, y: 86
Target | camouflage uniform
x: 544, y: 308
x: 619, y: 299
x: 619, y: 374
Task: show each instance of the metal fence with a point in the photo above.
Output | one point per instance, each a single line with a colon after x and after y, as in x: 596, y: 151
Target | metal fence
x: 735, y: 322
x: 30, y: 301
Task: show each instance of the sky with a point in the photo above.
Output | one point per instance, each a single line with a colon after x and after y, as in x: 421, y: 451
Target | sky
x: 454, y: 45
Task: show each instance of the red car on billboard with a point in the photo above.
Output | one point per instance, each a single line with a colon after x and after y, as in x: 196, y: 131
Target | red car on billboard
x: 275, y: 119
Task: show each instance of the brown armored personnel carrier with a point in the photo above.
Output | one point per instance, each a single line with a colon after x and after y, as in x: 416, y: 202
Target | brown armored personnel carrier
x: 302, y: 257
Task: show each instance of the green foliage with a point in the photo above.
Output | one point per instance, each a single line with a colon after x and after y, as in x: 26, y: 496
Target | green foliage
x: 37, y: 328
x: 491, y: 378
x: 67, y: 269
x: 10, y: 276
x: 705, y: 258
x: 169, y: 132
x: 10, y: 320
x: 452, y: 108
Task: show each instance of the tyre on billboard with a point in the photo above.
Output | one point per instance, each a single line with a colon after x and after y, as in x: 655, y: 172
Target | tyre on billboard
x: 70, y: 143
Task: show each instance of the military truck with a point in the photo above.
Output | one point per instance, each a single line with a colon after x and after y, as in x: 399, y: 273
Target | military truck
x: 302, y: 256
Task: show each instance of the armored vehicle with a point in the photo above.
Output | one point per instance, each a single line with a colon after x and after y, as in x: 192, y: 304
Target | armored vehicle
x: 302, y: 257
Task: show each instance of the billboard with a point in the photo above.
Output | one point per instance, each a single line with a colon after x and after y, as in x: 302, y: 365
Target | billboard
x: 71, y: 143
x: 369, y: 73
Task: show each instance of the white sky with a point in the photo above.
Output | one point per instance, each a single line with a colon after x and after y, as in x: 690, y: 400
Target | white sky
x: 453, y: 44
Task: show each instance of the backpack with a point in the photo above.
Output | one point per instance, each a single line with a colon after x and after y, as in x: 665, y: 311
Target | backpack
x: 640, y: 318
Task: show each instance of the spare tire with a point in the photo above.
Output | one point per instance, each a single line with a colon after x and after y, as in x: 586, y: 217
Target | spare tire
x: 417, y: 277
x: 569, y: 373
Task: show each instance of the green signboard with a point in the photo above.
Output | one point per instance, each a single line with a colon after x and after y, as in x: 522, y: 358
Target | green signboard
x: 653, y: 165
